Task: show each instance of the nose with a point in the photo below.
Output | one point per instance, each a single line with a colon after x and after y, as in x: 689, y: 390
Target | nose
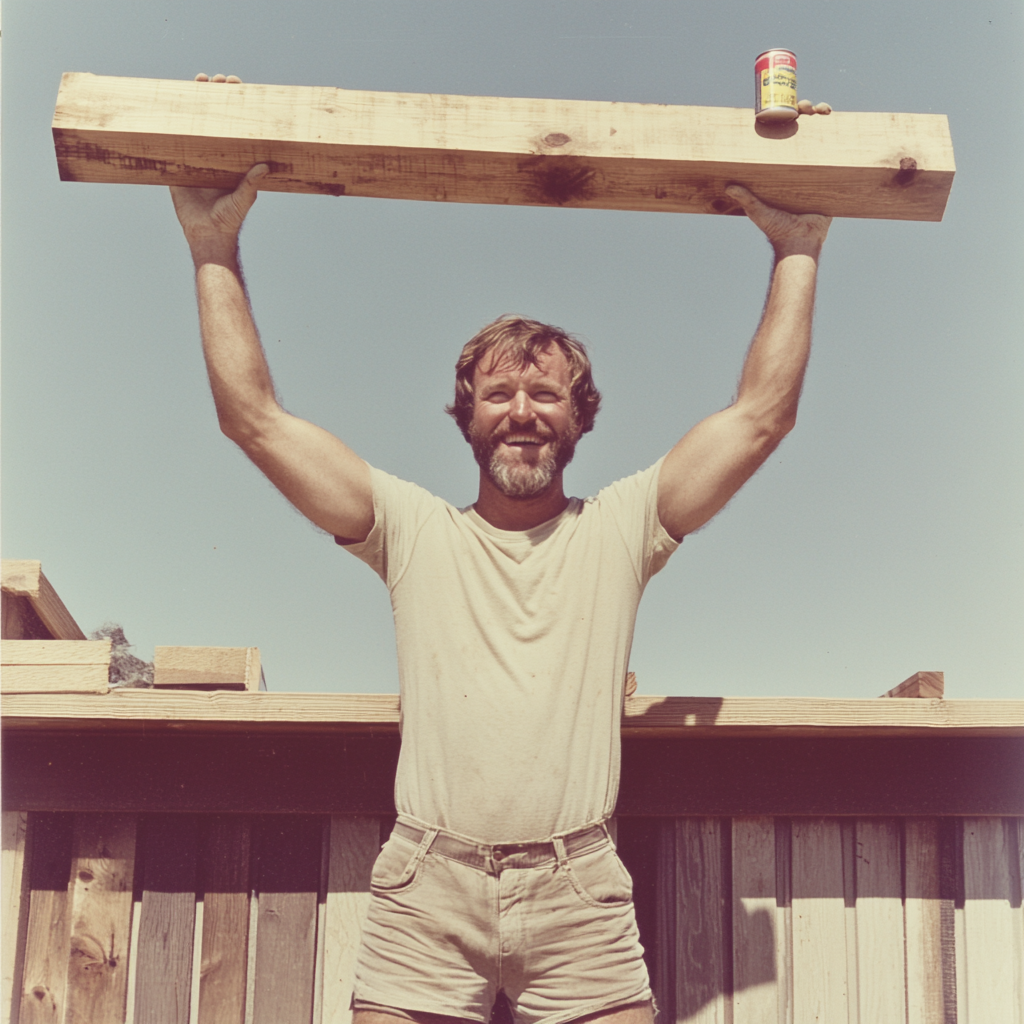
x: 521, y: 408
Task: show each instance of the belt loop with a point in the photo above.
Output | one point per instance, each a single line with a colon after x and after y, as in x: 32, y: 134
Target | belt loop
x: 558, y: 842
x: 428, y: 840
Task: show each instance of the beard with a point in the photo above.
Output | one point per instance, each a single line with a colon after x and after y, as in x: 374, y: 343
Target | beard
x: 519, y: 479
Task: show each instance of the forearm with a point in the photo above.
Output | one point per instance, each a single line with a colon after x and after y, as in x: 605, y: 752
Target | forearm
x: 243, y: 390
x: 774, y: 369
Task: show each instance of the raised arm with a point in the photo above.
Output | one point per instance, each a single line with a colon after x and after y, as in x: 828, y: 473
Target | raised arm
x: 322, y: 477
x: 713, y: 461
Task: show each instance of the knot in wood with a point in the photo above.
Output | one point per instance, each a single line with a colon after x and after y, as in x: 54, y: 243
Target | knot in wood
x: 556, y: 139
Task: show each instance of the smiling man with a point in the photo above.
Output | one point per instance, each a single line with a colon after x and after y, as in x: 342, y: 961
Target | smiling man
x: 514, y: 618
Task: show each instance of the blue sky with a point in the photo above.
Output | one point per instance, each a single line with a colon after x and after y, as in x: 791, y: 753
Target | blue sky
x: 883, y: 537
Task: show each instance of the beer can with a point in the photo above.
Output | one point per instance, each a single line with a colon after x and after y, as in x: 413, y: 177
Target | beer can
x: 775, y: 86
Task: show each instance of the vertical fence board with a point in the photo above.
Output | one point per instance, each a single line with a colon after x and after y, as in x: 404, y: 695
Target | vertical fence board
x: 926, y: 963
x: 755, y: 930
x: 163, y: 973
x: 665, y: 921
x: 354, y: 847
x: 819, y: 925
x: 48, y: 935
x: 224, y: 878
x: 994, y: 958
x: 880, y: 942
x: 102, y: 867
x: 700, y: 982
x: 289, y: 883
x: 13, y: 910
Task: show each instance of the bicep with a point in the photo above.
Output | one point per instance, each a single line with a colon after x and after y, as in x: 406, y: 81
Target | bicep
x: 318, y: 473
x: 708, y: 466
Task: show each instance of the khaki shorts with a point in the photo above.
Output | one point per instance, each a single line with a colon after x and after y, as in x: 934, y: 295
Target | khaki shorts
x: 452, y: 923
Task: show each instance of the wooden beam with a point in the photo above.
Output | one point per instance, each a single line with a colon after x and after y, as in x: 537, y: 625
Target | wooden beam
x: 24, y: 578
x: 482, y: 149
x: 647, y: 717
x: 920, y: 684
x: 55, y: 666
x: 207, y: 668
x: 13, y: 911
x: 324, y: 773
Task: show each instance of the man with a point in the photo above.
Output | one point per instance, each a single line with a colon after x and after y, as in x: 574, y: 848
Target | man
x: 514, y: 620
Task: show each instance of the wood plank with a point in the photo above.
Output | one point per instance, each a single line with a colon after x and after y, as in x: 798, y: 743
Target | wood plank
x: 755, y: 922
x: 54, y: 679
x: 48, y: 938
x: 288, y: 887
x: 355, y: 843
x: 923, y: 922
x: 992, y: 932
x: 55, y: 652
x: 13, y: 910
x: 25, y: 578
x: 102, y: 870
x: 819, y: 928
x: 700, y: 976
x: 19, y: 620
x: 225, y: 851
x: 663, y: 967
x: 647, y: 717
x: 482, y: 149
x: 219, y: 668
x: 880, y: 936
x: 163, y: 972
x: 784, y: 917
x: 324, y: 773
x: 920, y: 684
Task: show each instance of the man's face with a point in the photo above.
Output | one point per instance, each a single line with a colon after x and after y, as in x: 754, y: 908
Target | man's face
x: 524, y: 429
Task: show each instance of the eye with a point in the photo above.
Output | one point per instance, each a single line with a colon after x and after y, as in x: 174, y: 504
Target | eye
x: 545, y: 396
x: 496, y: 396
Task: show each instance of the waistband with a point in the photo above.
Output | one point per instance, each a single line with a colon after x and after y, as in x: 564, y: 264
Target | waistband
x: 508, y: 855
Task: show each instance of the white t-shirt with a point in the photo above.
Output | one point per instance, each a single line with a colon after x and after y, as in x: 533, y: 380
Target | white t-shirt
x: 512, y: 654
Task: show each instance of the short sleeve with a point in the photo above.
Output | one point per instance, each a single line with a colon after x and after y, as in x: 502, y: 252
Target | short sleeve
x: 632, y: 503
x: 400, y: 510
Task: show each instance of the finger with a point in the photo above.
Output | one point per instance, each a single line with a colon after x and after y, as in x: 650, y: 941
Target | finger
x: 805, y: 107
x: 822, y: 108
x: 202, y: 78
x: 742, y: 195
x: 219, y: 78
x: 234, y: 80
x: 256, y: 172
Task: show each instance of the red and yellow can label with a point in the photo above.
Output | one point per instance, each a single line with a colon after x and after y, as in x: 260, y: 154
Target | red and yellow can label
x: 775, y: 83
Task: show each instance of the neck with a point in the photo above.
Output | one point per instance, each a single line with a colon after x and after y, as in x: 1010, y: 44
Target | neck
x: 507, y: 513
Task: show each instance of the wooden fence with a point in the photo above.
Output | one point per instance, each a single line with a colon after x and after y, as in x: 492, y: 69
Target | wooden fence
x: 201, y: 856
x: 231, y: 919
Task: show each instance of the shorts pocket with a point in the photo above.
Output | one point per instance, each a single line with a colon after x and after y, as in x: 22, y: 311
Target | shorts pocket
x: 397, y: 865
x: 600, y: 879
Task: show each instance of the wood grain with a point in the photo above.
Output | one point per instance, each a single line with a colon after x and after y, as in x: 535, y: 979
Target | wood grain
x: 13, y: 910
x: 355, y: 843
x: 757, y: 937
x: 700, y: 964
x: 24, y: 577
x: 289, y: 884
x: 880, y: 937
x: 163, y: 971
x: 221, y: 668
x: 224, y: 876
x: 55, y: 679
x: 48, y: 936
x: 102, y: 870
x: 994, y: 943
x: 819, y: 927
x: 481, y: 149
x: 923, y: 922
x: 920, y: 684
x: 55, y: 652
x: 645, y: 716
x: 663, y: 965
